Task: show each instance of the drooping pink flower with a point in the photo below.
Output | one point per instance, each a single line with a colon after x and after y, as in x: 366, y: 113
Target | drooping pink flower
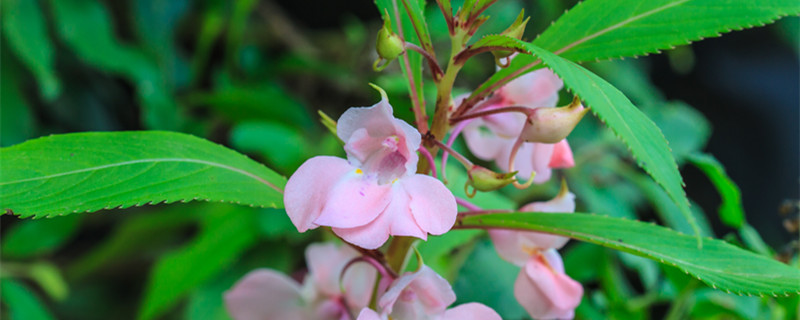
x: 544, y: 290
x: 516, y: 246
x: 424, y: 295
x: 375, y: 193
x: 492, y: 137
x: 265, y: 294
x: 542, y: 287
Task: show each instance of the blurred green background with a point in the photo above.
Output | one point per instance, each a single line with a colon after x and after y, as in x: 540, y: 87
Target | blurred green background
x: 251, y: 75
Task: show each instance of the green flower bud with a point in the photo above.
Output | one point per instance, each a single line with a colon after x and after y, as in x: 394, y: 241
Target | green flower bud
x: 516, y: 30
x: 388, y: 45
x: 484, y: 179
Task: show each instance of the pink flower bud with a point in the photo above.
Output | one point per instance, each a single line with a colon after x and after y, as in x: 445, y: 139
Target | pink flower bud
x: 544, y: 290
x: 551, y: 125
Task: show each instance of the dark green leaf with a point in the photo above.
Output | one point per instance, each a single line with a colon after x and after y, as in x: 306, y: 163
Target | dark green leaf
x: 86, y: 28
x: 16, y: 118
x: 718, y: 264
x: 225, y: 233
x: 22, y: 302
x: 33, y: 238
x: 86, y: 172
x: 26, y: 31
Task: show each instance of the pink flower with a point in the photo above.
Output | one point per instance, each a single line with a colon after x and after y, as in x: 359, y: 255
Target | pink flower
x: 541, y: 287
x: 516, y: 246
x: 492, y: 137
x: 544, y: 290
x: 375, y: 192
x: 424, y: 295
x: 266, y: 294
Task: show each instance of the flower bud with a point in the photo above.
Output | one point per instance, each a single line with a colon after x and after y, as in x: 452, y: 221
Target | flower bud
x: 389, y: 45
x: 516, y: 30
x: 484, y: 179
x: 551, y: 125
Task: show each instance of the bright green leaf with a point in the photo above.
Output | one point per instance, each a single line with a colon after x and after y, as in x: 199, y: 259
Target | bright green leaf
x: 25, y: 28
x: 32, y: 238
x: 598, y: 29
x: 86, y: 172
x: 718, y: 264
x: 226, y: 232
x: 640, y: 134
x: 22, y: 303
x: 601, y: 29
x: 416, y: 12
x: 731, y: 212
x: 49, y: 278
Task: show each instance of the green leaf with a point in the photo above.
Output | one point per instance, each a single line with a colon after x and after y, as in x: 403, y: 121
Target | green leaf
x: 718, y: 263
x: 16, y: 116
x: 597, y: 29
x: 31, y: 238
x: 487, y: 279
x: 26, y: 31
x: 600, y: 29
x: 136, y: 234
x: 415, y: 59
x: 86, y: 172
x: 640, y: 134
x: 284, y: 147
x: 86, y: 28
x: 417, y: 15
x: 226, y: 232
x: 265, y: 101
x: 731, y: 212
x: 22, y: 302
x: 753, y: 240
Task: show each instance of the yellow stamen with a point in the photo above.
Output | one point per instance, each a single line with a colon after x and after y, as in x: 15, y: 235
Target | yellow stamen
x: 359, y: 171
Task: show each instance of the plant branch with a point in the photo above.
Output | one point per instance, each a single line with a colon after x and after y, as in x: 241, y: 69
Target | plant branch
x: 420, y: 117
x: 524, y: 110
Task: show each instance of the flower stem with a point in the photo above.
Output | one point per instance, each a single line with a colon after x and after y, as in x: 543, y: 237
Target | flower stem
x: 397, y: 253
x: 464, y: 161
x: 428, y: 156
x: 417, y: 102
x: 524, y: 110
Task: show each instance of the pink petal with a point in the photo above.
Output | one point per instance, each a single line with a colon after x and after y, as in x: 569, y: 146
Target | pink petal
x: 396, y: 219
x: 423, y: 287
x: 308, y: 189
x: 561, y: 203
x: 377, y: 119
x: 536, y: 89
x: 530, y: 157
x: 368, y: 314
x: 482, y: 142
x: 355, y: 201
x: 510, y: 246
x: 325, y: 263
x: 471, y: 311
x: 547, y: 293
x: 358, y: 282
x: 264, y: 294
x: 562, y: 156
x: 432, y: 204
x: 507, y: 125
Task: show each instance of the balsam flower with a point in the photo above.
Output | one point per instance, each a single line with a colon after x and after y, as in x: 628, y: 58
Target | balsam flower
x: 542, y: 287
x: 375, y: 192
x: 492, y: 137
x: 265, y: 294
x: 424, y: 295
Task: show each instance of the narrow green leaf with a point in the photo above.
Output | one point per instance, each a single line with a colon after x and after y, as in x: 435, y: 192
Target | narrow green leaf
x: 597, y: 29
x: 600, y: 29
x: 32, y: 238
x: 415, y: 59
x: 416, y: 13
x: 640, y: 134
x: 86, y: 27
x: 226, y: 232
x: 25, y: 28
x: 86, y: 172
x: 753, y: 240
x: 718, y: 263
x: 22, y: 302
x: 731, y: 211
